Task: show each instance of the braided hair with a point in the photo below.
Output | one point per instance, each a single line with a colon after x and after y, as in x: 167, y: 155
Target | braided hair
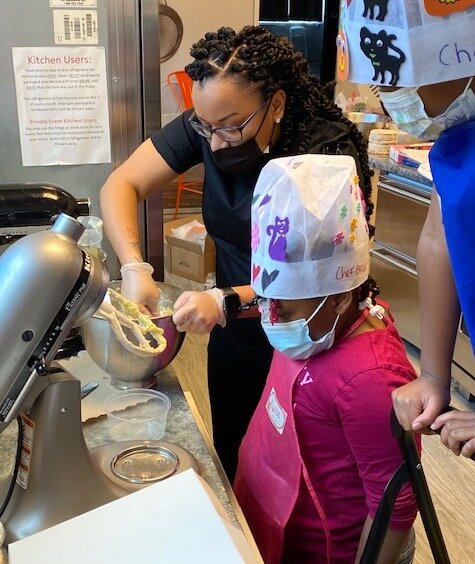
x: 255, y: 56
x: 369, y: 289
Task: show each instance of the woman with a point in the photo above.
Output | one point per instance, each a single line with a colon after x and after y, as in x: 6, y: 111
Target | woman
x: 253, y: 100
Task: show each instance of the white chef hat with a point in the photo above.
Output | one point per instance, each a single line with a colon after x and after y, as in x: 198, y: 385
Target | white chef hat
x: 405, y: 42
x: 309, y: 232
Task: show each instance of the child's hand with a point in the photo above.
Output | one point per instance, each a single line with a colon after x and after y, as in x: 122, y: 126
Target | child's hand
x: 457, y: 427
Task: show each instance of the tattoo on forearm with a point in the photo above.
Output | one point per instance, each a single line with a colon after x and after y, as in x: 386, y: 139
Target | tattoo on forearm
x: 134, y: 243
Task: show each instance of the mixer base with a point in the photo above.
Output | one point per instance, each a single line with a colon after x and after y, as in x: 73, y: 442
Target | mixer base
x: 159, y: 458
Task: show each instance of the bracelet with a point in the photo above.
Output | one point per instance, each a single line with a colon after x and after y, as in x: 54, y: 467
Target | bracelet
x: 248, y: 305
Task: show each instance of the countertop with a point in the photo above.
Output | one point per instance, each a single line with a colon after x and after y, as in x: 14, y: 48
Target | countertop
x: 388, y: 165
x: 184, y: 428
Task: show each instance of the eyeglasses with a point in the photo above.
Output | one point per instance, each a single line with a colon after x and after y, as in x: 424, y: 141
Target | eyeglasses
x: 230, y: 133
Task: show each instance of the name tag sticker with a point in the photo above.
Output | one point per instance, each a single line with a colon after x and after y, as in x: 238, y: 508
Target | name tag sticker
x: 276, y: 412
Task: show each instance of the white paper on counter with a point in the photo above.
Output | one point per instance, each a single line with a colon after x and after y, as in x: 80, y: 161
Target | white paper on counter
x: 425, y: 171
x: 174, y: 521
x: 86, y: 370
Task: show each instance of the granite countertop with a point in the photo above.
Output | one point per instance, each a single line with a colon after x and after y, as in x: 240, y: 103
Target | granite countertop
x: 388, y: 165
x: 184, y: 428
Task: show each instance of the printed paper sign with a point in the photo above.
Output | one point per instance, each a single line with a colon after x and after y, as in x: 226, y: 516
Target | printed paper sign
x: 75, y: 27
x: 72, y: 3
x: 62, y: 105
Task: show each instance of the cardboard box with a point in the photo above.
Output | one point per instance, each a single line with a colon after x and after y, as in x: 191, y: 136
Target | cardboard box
x: 187, y: 258
x: 413, y: 154
x: 186, y: 283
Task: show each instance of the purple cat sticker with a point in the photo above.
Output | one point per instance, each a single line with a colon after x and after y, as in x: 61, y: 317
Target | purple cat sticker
x: 278, y: 242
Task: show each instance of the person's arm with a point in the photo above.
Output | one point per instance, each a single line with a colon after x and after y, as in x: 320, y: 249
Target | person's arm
x: 144, y: 172
x: 393, y: 545
x: 417, y: 404
x: 458, y: 427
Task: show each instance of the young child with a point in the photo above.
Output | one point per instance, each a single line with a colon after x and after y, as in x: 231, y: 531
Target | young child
x: 319, y: 451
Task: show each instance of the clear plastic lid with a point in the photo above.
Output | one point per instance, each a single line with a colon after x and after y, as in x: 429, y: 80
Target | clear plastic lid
x: 144, y: 464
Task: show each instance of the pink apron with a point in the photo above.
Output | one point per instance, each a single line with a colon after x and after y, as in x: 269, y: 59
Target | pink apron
x: 270, y: 463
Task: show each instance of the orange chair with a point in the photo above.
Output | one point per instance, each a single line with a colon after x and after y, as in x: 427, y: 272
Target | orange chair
x: 180, y: 85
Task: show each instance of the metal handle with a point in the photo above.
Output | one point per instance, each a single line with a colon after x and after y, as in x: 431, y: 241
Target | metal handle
x: 409, y: 471
x: 393, y: 262
x: 404, y: 193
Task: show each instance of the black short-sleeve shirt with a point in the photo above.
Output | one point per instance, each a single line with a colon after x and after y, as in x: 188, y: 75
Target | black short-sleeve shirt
x: 227, y: 197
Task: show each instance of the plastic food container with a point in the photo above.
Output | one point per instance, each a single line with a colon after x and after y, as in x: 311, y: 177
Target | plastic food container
x: 137, y: 414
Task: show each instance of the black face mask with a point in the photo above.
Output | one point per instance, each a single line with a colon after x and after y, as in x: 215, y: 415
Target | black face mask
x: 242, y: 158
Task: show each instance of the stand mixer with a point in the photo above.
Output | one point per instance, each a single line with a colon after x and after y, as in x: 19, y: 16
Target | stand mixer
x: 30, y: 207
x: 48, y: 285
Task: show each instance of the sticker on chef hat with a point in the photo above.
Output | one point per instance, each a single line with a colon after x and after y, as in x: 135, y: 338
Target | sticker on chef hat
x: 408, y: 42
x: 446, y: 7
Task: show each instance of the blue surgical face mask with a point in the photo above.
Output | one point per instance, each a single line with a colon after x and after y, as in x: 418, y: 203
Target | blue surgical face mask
x: 407, y: 111
x: 293, y: 339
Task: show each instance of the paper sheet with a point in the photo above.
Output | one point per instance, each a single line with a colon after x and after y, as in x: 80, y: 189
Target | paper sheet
x: 193, y: 231
x: 171, y: 521
x: 86, y: 370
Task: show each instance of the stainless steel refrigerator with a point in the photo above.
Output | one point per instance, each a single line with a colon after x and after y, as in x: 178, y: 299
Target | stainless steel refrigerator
x: 128, y: 32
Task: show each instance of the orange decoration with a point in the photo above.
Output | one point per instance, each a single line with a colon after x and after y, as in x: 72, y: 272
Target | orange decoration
x: 446, y: 7
x: 342, y: 58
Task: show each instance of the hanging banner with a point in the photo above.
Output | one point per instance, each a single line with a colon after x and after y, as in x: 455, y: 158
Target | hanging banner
x: 62, y: 104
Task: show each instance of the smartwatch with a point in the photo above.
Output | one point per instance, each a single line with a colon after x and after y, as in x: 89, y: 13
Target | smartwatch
x: 231, y: 303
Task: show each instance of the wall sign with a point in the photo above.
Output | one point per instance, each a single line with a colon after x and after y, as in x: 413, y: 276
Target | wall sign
x: 62, y: 104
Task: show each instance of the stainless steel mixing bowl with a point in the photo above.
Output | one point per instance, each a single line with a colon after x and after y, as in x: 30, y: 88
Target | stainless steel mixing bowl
x: 366, y: 121
x: 126, y: 369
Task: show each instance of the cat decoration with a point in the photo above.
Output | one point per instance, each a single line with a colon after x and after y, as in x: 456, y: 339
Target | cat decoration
x: 370, y: 5
x: 376, y: 47
x: 278, y: 242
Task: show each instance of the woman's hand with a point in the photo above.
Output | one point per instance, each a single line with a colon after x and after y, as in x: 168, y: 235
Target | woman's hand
x: 139, y: 287
x: 418, y: 403
x: 199, y: 312
x: 457, y: 427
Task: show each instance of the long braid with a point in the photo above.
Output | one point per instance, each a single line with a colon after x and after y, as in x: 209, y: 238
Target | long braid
x: 254, y: 55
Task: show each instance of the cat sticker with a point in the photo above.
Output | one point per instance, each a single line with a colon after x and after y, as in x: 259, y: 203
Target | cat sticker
x: 278, y: 242
x: 370, y: 5
x: 376, y: 47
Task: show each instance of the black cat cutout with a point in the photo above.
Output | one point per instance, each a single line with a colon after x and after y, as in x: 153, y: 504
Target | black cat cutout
x: 376, y: 46
x: 370, y: 5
